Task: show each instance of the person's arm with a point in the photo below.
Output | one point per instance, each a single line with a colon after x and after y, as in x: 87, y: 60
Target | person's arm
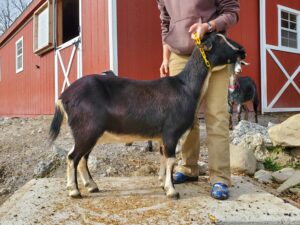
x: 228, y: 11
x: 165, y: 23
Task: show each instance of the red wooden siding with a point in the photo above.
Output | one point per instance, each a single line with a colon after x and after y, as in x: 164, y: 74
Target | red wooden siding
x: 271, y: 17
x: 246, y: 32
x: 95, y: 36
x: 290, y: 61
x: 139, y: 40
x: 30, y: 92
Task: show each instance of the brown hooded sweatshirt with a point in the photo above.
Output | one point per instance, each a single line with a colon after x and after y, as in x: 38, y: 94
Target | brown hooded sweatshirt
x: 178, y: 15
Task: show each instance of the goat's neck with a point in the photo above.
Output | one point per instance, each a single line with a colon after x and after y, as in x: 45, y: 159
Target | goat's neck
x: 194, y: 74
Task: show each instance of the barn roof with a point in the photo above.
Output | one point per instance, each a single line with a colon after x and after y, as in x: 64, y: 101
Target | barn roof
x: 20, y: 21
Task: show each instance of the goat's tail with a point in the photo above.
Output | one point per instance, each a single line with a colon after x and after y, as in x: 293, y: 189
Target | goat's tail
x: 57, y: 121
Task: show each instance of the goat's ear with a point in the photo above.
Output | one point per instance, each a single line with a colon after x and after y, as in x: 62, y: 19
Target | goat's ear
x: 206, y: 45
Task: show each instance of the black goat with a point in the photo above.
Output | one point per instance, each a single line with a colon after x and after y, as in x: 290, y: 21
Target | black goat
x: 107, y: 109
x: 241, y: 90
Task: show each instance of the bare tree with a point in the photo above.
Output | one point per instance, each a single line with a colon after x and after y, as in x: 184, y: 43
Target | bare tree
x: 9, y: 11
x: 19, y: 5
x: 6, y: 17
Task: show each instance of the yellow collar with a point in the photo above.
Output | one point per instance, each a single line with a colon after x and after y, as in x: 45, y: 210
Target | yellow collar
x: 198, y: 43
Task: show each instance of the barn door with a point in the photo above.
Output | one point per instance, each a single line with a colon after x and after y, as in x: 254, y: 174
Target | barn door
x: 280, y: 56
x: 68, y: 53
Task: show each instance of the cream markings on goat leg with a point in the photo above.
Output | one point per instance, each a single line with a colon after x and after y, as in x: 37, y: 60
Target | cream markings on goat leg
x: 162, y: 171
x: 169, y: 187
x: 88, y: 182
x: 71, y: 184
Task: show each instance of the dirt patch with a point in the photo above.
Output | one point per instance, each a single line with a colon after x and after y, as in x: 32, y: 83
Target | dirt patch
x: 24, y: 143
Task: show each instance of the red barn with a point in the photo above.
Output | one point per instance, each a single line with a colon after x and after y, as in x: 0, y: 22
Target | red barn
x: 55, y: 42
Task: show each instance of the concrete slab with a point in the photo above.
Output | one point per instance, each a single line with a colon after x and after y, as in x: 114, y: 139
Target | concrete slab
x: 139, y: 200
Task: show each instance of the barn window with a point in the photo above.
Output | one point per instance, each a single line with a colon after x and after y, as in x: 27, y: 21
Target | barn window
x: 67, y: 20
x: 43, y: 28
x: 19, y: 55
x: 289, y: 27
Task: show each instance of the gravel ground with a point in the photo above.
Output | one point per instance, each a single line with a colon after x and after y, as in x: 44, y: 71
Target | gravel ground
x: 24, y: 143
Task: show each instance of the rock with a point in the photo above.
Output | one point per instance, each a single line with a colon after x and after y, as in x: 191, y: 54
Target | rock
x: 250, y: 129
x: 287, y: 133
x: 295, y: 152
x: 93, y: 163
x: 260, y: 166
x: 60, y: 152
x: 295, y: 191
x: 256, y: 144
x: 270, y: 124
x: 282, y: 175
x: 203, y: 168
x: 242, y: 159
x: 263, y: 176
x: 110, y: 171
x: 4, y: 191
x: 43, y: 168
x: 281, y: 158
x: 291, y: 182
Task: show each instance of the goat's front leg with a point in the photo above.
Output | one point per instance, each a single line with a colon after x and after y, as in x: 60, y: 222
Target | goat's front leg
x: 169, y: 152
x: 162, y: 169
x: 169, y: 186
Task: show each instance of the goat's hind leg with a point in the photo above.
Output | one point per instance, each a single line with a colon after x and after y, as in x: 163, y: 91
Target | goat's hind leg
x: 86, y: 176
x: 81, y: 148
x: 72, y: 184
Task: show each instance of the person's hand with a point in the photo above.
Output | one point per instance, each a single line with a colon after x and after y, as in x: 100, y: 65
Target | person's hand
x: 200, y: 28
x: 164, y: 68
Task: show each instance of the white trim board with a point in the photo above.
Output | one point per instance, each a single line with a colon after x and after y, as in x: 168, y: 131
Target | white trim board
x: 113, y: 36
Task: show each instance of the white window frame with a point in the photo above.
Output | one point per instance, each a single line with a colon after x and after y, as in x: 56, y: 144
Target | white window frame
x: 292, y: 11
x: 50, y: 44
x: 18, y: 70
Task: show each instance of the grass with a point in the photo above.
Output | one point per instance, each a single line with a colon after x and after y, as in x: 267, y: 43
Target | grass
x: 275, y: 149
x: 271, y: 165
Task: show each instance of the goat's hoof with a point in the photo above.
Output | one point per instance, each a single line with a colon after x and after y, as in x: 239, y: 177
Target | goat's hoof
x: 173, y: 195
x: 93, y: 190
x: 75, y: 194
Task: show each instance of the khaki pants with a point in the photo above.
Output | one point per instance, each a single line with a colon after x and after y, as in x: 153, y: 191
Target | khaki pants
x: 214, y: 93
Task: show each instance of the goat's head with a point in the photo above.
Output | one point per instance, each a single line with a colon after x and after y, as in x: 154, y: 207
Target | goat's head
x: 220, y: 50
x: 235, y: 70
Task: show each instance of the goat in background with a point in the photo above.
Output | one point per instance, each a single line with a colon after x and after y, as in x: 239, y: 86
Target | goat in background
x: 101, y: 108
x: 242, y: 89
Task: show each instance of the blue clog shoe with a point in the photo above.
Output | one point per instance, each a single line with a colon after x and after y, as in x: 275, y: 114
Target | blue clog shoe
x: 220, y: 191
x: 180, y: 178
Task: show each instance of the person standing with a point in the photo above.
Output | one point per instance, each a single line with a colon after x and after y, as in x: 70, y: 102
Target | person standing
x: 179, y: 20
